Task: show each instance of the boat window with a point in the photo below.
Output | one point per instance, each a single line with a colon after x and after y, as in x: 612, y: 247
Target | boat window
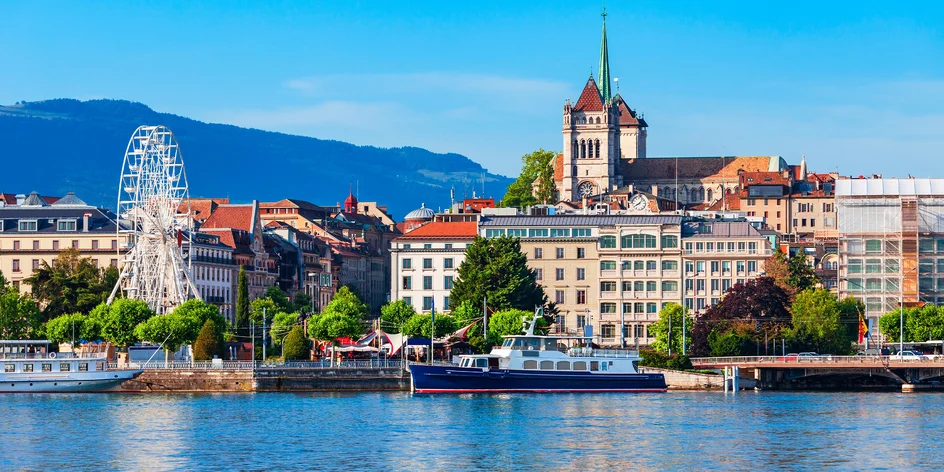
x: 27, y: 367
x: 530, y: 364
x: 563, y: 365
x: 509, y: 343
x: 547, y: 365
x: 550, y: 344
x: 9, y: 367
x: 481, y: 362
x: 580, y: 365
x: 83, y: 367
x: 594, y: 365
x: 635, y: 366
x: 47, y: 367
x: 99, y: 366
x: 529, y: 344
x: 63, y: 367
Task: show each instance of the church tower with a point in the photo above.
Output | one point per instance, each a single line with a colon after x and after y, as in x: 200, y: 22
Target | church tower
x: 591, y: 132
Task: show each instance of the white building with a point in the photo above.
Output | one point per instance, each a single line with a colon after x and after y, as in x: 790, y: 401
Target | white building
x: 425, y: 263
x: 214, y: 272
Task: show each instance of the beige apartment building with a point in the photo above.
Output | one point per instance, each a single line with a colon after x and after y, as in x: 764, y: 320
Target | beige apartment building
x: 34, y: 231
x: 425, y: 263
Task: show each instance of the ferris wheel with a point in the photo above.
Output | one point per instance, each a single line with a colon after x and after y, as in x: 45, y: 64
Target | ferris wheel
x: 154, y: 217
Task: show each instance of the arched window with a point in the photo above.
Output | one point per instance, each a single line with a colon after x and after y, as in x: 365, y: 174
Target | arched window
x: 701, y: 194
x: 583, y: 149
x: 709, y: 194
x: 694, y: 195
x: 607, y: 242
x: 598, y: 120
x: 573, y: 149
x: 598, y: 149
x: 575, y: 171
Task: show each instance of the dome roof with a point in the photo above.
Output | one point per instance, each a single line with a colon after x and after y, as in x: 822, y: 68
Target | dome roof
x: 350, y: 203
x: 421, y: 213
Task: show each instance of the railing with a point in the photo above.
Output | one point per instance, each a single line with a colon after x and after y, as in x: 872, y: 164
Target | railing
x: 58, y: 356
x: 608, y: 353
x: 213, y: 260
x: 249, y: 365
x: 821, y: 359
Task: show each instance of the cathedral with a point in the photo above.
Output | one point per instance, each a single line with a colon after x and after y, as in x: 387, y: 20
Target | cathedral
x: 604, y: 152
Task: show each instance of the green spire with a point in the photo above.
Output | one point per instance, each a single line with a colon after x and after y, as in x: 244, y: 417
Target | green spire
x: 604, y: 79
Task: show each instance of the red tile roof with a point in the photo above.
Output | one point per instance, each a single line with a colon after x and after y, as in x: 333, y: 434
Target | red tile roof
x: 230, y: 216
x: 627, y: 115
x: 444, y: 230
x: 663, y: 168
x: 202, y: 208
x: 764, y: 178
x: 590, y: 99
x: 233, y: 238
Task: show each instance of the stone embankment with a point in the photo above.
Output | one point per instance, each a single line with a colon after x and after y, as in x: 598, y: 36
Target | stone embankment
x: 270, y: 379
x: 681, y: 380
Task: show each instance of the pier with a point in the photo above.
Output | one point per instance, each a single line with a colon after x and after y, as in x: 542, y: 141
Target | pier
x: 834, y: 372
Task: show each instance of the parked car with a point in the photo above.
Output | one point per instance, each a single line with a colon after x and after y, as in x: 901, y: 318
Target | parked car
x: 794, y: 357
x: 807, y: 355
x: 908, y: 355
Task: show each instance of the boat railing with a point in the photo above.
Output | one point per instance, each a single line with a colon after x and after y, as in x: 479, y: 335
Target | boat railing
x: 53, y: 355
x: 608, y: 353
x: 249, y: 365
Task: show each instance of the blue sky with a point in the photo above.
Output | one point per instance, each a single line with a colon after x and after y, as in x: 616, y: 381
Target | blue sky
x: 855, y: 86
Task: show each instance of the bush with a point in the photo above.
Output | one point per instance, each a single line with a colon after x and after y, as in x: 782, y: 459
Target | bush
x: 208, y: 343
x: 296, y: 346
x: 653, y: 358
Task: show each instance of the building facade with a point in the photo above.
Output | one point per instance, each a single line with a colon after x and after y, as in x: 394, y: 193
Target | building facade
x: 425, y: 263
x: 213, y: 271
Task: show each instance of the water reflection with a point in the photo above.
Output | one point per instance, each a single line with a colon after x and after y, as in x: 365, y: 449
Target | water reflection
x: 396, y: 431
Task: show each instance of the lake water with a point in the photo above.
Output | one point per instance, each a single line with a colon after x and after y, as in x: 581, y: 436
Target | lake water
x: 399, y: 431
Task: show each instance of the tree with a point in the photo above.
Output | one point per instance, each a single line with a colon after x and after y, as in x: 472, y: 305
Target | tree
x: 419, y: 326
x: 817, y: 324
x: 331, y: 326
x: 660, y: 329
x: 497, y: 268
x: 346, y: 302
x: 77, y: 326
x: 467, y: 312
x: 510, y: 322
x: 202, y: 312
x: 921, y: 324
x: 302, y: 303
x: 297, y: 347
x: 792, y: 274
x: 20, y: 318
x: 535, y: 183
x: 395, y: 314
x: 171, y: 331
x: 71, y: 283
x: 263, y: 306
x: 242, y: 300
x: 209, y: 343
x: 751, y: 307
x: 124, y: 315
x: 279, y: 297
x: 282, y: 324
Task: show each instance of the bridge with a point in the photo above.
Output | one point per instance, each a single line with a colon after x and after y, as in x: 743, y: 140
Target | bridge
x: 834, y: 372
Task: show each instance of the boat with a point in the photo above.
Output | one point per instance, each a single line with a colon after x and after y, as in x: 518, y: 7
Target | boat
x: 30, y: 366
x: 536, y: 363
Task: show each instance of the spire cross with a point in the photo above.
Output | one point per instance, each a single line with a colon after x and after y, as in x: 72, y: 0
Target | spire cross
x: 604, y: 14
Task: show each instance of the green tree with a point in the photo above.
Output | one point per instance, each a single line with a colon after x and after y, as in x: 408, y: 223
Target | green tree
x: 497, y: 268
x: 817, y: 324
x: 202, y: 312
x: 419, y: 325
x: 171, y: 331
x: 20, y: 317
x: 331, y: 326
x: 71, y: 283
x: 262, y: 306
x: 302, y: 303
x: 467, y: 312
x: 792, y: 274
x: 921, y: 324
x: 660, y: 329
x: 346, y: 302
x: 510, y: 322
x: 535, y: 183
x: 297, y: 347
x: 62, y: 328
x: 282, y: 324
x: 395, y: 314
x: 242, y: 300
x: 279, y: 297
x: 124, y: 315
x: 209, y: 342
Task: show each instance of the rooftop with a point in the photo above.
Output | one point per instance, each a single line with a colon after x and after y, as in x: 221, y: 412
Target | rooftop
x: 444, y: 230
x: 581, y: 220
x: 665, y: 168
x: 889, y: 187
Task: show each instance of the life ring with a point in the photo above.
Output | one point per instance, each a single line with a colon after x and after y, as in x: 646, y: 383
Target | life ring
x: 52, y: 355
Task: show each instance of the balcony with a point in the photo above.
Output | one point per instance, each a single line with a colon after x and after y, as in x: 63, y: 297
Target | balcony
x: 614, y: 295
x: 670, y: 274
x: 215, y: 300
x: 671, y: 295
x: 213, y: 260
x: 610, y: 273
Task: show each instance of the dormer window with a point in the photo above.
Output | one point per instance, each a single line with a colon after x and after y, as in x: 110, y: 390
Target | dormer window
x: 66, y: 225
x: 27, y: 225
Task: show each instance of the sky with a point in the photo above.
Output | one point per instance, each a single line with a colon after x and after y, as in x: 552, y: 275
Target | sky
x: 856, y: 87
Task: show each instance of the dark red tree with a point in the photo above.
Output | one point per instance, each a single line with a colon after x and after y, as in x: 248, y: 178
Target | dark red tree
x: 758, y: 301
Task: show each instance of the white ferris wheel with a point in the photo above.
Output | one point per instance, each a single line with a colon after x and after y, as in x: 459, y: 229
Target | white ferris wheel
x: 154, y: 216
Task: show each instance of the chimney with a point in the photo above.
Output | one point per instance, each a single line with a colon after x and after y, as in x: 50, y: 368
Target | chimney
x: 85, y: 222
x: 20, y: 198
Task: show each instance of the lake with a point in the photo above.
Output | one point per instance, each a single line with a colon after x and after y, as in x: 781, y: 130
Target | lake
x: 400, y: 431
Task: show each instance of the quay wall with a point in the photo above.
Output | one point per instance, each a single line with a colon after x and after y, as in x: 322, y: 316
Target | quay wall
x: 182, y: 380
x: 681, y: 380
x: 268, y: 380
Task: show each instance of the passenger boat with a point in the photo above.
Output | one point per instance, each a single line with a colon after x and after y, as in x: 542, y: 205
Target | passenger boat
x: 534, y: 363
x: 29, y: 366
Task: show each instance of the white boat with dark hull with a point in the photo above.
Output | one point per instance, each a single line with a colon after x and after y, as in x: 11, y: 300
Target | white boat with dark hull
x: 534, y: 363
x: 29, y: 366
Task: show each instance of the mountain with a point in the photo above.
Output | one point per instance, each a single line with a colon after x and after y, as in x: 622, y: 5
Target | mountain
x: 63, y: 145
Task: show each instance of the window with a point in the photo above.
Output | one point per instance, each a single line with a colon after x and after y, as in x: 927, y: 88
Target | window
x: 559, y: 273
x: 581, y: 297
x: 75, y: 244
x: 407, y: 283
x: 607, y: 308
x: 407, y: 263
x: 560, y: 232
x: 55, y: 245
x: 35, y: 245
x: 926, y: 246
x: 689, y: 285
x: 873, y: 246
x: 47, y: 367
x: 638, y: 241
x: 408, y: 300
x: 651, y: 286
x: 559, y: 297
x: 538, y: 233
x: 27, y: 367
x: 582, y: 233
x: 669, y: 265
x: 700, y: 267
x: 518, y: 233
x: 669, y: 241
x: 427, y: 282
x: 751, y: 267
x: 714, y: 266
x: 405, y: 246
x: 446, y: 302
x: 891, y: 266
x: 700, y: 285
x: 83, y: 367
x: 639, y: 286
x: 710, y: 247
x: 872, y: 266
x: 494, y: 233
x: 64, y: 367
x: 539, y: 274
x: 854, y: 266
x: 639, y: 265
x: 538, y: 253
x: 651, y: 265
x: 447, y: 282
x: 9, y: 367
x: 427, y: 263
x: 581, y: 321
x: 607, y: 242
x: 607, y: 265
x: 651, y: 307
x: 113, y: 263
x: 530, y: 365
x: 715, y: 285
x: 689, y: 267
x: 627, y: 307
x: 559, y: 253
x: 27, y: 225
x: 35, y: 264
x: 16, y: 265
x: 448, y: 263
x: 740, y: 267
x: 427, y: 246
x: 16, y: 245
x: 607, y: 331
x: 581, y: 253
x: 669, y: 286
x: 608, y: 286
x: 427, y: 303
x: 627, y: 286
x: 639, y: 307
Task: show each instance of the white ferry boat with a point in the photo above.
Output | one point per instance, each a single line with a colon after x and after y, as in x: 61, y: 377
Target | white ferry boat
x: 533, y: 363
x: 29, y: 366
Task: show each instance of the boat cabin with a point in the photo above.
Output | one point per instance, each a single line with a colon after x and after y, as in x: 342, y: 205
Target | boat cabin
x: 28, y: 356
